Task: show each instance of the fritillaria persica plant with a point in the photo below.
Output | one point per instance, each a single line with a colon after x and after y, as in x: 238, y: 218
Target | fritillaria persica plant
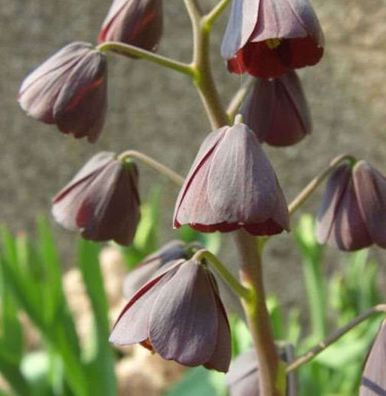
x: 174, y: 304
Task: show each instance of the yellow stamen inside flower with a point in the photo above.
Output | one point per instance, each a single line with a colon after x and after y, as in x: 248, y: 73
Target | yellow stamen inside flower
x: 273, y: 43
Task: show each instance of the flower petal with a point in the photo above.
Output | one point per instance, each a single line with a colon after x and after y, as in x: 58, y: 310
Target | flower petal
x: 96, y: 163
x: 132, y: 325
x: 183, y: 322
x: 340, y: 223
x: 110, y: 209
x: 39, y: 90
x: 80, y: 107
x: 221, y: 357
x: 370, y: 188
x: 241, y: 23
x: 373, y: 378
x: 241, y: 182
x: 138, y: 23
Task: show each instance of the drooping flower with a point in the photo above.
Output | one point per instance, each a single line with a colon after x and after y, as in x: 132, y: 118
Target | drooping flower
x: 370, y: 189
x: 352, y: 215
x: 373, y: 380
x: 135, y: 22
x: 70, y: 90
x: 101, y: 201
x: 340, y: 223
x: 277, y: 110
x: 179, y: 315
x: 173, y: 250
x: 232, y: 185
x: 267, y: 38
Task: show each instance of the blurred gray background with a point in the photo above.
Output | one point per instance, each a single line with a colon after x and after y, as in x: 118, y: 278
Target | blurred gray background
x: 157, y: 111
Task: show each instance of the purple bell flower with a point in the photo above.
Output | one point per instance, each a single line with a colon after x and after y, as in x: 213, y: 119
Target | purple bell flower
x: 70, y: 90
x: 267, y: 38
x: 101, y: 201
x: 277, y: 110
x: 135, y: 22
x: 232, y: 185
x: 179, y: 315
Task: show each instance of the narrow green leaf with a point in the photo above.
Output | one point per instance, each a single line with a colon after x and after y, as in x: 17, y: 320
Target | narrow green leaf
x: 313, y: 275
x: 102, y: 358
x: 13, y: 376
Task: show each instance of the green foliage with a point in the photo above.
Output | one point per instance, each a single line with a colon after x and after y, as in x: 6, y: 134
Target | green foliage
x: 31, y: 282
x: 351, y: 289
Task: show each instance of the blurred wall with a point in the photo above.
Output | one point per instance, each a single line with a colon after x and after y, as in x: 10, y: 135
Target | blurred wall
x: 155, y: 110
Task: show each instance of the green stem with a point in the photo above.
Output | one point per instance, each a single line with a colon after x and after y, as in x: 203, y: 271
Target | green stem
x: 214, y: 14
x: 271, y: 374
x: 314, y: 183
x: 131, y: 50
x: 232, y: 282
x: 194, y: 9
x: 152, y: 163
x: 203, y: 78
x: 321, y: 346
x: 238, y: 98
x: 315, y: 291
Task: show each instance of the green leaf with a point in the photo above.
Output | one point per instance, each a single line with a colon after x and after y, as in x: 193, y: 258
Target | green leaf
x: 241, y: 336
x: 199, y: 381
x: 101, y: 359
x: 13, y: 376
x: 52, y: 292
x: 313, y: 275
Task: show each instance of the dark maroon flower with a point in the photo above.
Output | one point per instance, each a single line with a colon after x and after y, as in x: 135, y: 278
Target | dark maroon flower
x: 179, y: 315
x: 173, y: 250
x: 340, y: 223
x: 101, y: 201
x: 135, y: 22
x: 370, y: 189
x: 353, y: 212
x: 277, y: 110
x: 267, y: 38
x: 232, y: 185
x: 373, y: 378
x: 69, y: 90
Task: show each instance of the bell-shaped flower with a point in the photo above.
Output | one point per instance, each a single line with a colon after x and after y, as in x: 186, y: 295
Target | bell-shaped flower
x: 373, y: 380
x: 370, y: 189
x: 232, y: 185
x: 179, y: 315
x: 340, y: 223
x: 135, y: 22
x: 171, y: 251
x: 101, y: 201
x: 277, y: 110
x: 70, y: 90
x: 267, y: 38
x: 352, y: 215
